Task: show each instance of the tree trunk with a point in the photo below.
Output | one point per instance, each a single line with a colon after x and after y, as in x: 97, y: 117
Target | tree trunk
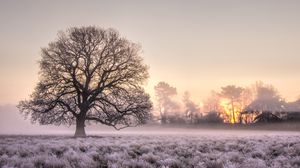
x: 80, y: 131
x: 233, y: 115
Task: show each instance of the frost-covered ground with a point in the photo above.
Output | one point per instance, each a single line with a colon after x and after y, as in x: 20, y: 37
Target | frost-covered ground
x: 184, y: 149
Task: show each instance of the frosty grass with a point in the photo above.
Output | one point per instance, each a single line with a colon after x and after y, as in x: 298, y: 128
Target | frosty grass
x: 154, y: 150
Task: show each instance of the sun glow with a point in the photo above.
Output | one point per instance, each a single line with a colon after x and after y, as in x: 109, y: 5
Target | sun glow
x: 226, y: 110
x: 228, y: 113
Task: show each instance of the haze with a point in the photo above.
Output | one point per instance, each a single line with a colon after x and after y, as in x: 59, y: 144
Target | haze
x: 196, y: 46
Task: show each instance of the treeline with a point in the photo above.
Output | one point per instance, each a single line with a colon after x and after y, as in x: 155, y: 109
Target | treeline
x: 259, y: 102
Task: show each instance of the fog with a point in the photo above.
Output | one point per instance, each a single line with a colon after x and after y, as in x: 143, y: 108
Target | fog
x: 14, y: 124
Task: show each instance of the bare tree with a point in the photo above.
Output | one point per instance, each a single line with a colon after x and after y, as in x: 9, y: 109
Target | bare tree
x: 192, y: 110
x: 90, y: 74
x: 164, y: 93
x: 267, y: 99
x: 247, y: 97
x: 212, y: 103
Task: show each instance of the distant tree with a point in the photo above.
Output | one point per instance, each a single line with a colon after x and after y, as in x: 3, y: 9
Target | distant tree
x: 292, y: 111
x: 293, y: 106
x: 233, y: 94
x: 164, y: 93
x: 267, y: 99
x: 212, y: 103
x: 266, y: 117
x: 90, y: 74
x: 211, y: 117
x: 192, y: 110
x: 247, y: 97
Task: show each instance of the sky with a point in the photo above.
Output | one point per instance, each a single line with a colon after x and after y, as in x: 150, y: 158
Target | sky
x: 196, y: 46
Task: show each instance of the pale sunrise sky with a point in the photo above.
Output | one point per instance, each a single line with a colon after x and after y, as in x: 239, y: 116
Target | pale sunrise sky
x: 197, y: 46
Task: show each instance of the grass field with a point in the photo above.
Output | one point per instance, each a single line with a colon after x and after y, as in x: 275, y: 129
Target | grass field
x: 185, y: 149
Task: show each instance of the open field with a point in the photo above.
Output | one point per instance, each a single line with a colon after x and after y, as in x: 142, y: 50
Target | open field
x: 280, y: 126
x: 175, y: 149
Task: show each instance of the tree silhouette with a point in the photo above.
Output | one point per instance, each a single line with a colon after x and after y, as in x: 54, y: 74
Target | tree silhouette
x: 192, y: 110
x: 267, y: 100
x: 90, y: 74
x: 164, y: 93
x: 212, y: 103
x: 233, y: 93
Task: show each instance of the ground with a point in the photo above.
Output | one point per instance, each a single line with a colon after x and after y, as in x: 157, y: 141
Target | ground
x: 214, y: 149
